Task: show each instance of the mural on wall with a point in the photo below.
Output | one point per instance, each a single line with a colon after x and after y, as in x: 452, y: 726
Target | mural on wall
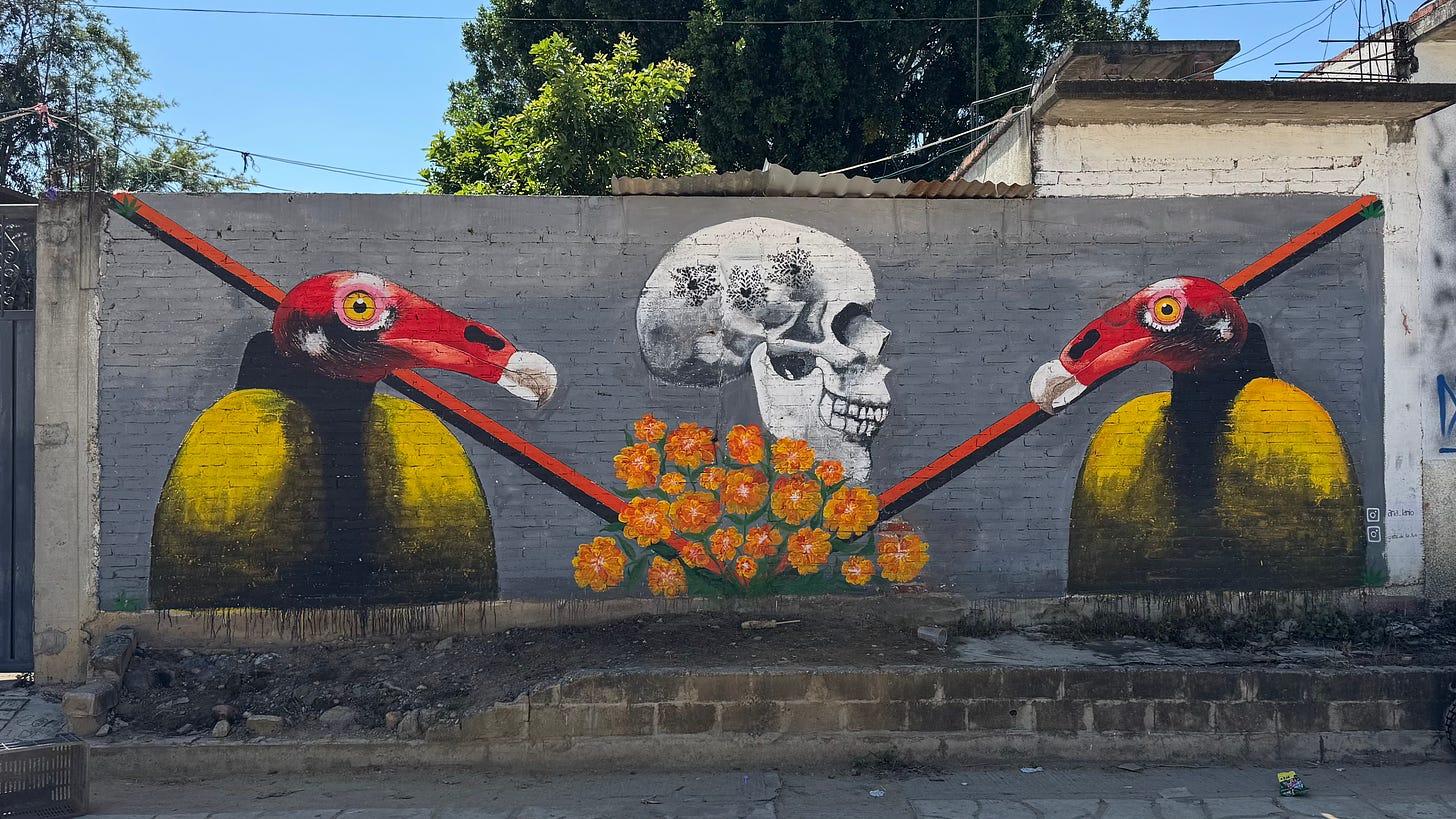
x: 304, y: 472
x: 306, y: 486
x: 1233, y: 475
x: 753, y: 516
x: 790, y: 305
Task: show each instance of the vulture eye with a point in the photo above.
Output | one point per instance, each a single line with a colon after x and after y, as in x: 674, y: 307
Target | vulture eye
x: 1167, y: 311
x: 359, y: 308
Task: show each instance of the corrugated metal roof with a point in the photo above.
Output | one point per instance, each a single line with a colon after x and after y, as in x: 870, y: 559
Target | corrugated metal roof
x: 775, y: 180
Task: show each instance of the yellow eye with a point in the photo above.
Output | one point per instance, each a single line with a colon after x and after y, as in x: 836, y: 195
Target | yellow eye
x: 359, y: 307
x: 1167, y: 310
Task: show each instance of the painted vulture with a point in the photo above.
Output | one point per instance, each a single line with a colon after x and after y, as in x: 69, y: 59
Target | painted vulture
x: 305, y: 487
x: 1233, y: 480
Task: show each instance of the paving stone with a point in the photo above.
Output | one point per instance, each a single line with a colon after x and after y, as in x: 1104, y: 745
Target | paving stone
x: 944, y: 808
x: 1317, y: 805
x: 386, y: 813
x: 1066, y: 808
x: 469, y: 813
x: 1004, y: 809
x: 1129, y: 809
x: 300, y: 814
x: 1180, y: 809
x: 1240, y: 806
x: 1411, y: 810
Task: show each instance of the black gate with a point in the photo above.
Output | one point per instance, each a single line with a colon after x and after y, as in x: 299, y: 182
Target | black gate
x: 17, y: 416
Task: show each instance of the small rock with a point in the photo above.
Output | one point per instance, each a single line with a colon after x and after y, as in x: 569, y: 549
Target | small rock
x: 186, y: 652
x: 445, y: 644
x: 391, y: 720
x: 1289, y: 625
x: 186, y: 729
x: 225, y: 712
x: 222, y: 729
x: 409, y: 726
x: 265, y: 725
x: 339, y: 717
x: 136, y: 680
x: 103, y: 730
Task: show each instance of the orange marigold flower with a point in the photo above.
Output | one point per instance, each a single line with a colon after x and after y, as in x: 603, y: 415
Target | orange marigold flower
x: 673, y: 483
x: 763, y: 541
x: 857, y: 570
x: 666, y: 578
x: 691, y: 446
x: 649, y: 429
x: 808, y: 549
x: 638, y: 466
x: 646, y: 520
x: 796, y: 499
x: 791, y: 455
x: 745, y: 567
x: 695, y: 556
x: 902, y: 558
x: 599, y: 564
x: 711, y: 479
x: 851, y: 511
x: 695, y: 512
x: 745, y: 444
x: 744, y: 491
x: 725, y: 543
x: 830, y: 472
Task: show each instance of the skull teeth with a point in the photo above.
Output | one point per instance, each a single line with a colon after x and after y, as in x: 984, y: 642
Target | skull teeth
x: 857, y: 420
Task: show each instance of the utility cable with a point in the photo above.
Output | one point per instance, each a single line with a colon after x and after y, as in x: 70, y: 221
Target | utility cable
x: 919, y: 148
x: 660, y: 21
x: 104, y: 141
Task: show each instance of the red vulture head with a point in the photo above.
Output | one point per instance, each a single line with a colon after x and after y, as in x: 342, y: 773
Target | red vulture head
x: 1184, y: 323
x: 359, y: 327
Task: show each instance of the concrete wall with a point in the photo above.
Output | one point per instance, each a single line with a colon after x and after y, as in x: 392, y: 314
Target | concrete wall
x: 976, y: 295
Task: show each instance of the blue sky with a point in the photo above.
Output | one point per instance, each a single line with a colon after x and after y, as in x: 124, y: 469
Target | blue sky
x: 368, y: 94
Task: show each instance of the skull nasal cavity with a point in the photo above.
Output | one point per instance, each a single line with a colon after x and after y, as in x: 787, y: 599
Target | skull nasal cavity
x: 479, y: 336
x: 1086, y: 343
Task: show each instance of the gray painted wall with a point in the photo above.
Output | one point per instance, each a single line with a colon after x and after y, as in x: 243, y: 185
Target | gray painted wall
x: 977, y: 293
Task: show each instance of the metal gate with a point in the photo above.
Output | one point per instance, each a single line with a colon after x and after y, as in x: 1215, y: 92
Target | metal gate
x: 17, y: 418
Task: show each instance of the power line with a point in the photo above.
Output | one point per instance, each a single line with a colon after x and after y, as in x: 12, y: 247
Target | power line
x: 919, y: 148
x: 660, y: 20
x: 251, y: 155
x: 1255, y: 54
x: 104, y: 141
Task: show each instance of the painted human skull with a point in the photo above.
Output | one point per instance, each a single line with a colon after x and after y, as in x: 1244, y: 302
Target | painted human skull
x: 788, y: 303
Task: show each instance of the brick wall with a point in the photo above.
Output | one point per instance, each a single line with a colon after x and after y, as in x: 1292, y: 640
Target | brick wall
x: 1207, y: 160
x: 1141, y: 713
x: 977, y: 294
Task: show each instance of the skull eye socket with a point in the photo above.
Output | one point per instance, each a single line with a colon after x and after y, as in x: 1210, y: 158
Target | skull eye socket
x: 793, y: 366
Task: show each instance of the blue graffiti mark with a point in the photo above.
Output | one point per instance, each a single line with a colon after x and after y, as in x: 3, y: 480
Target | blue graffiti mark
x: 1447, y: 398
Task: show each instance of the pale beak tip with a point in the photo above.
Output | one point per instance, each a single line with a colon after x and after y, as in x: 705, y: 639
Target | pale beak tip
x: 530, y: 377
x: 1053, y: 387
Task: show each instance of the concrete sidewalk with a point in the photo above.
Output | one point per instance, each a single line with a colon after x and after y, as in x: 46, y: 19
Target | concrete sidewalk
x: 1413, y: 792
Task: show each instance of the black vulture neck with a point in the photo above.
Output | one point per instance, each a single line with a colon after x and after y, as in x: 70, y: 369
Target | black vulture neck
x: 264, y: 368
x: 1198, y: 419
x: 344, y: 570
x: 1205, y: 395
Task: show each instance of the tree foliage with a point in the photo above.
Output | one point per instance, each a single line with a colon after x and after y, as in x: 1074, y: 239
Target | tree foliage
x: 590, y: 121
x: 813, y: 96
x: 66, y: 55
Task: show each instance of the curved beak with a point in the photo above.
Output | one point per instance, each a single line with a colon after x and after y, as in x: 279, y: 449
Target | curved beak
x: 430, y: 336
x: 1111, y: 342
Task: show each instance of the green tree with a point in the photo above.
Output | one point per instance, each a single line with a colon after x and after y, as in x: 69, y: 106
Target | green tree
x: 66, y: 55
x: 590, y: 121
x: 814, y: 96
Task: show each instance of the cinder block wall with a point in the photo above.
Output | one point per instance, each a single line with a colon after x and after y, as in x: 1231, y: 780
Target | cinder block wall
x: 977, y: 295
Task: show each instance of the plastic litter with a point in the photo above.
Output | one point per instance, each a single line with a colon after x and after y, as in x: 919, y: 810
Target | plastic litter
x: 1031, y: 770
x: 1291, y: 785
x: 877, y: 793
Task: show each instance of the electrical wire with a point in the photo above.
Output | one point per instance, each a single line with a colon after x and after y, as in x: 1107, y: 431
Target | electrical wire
x: 1303, y: 27
x: 918, y: 148
x: 104, y: 141
x: 660, y: 21
x: 250, y: 155
x: 973, y: 143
